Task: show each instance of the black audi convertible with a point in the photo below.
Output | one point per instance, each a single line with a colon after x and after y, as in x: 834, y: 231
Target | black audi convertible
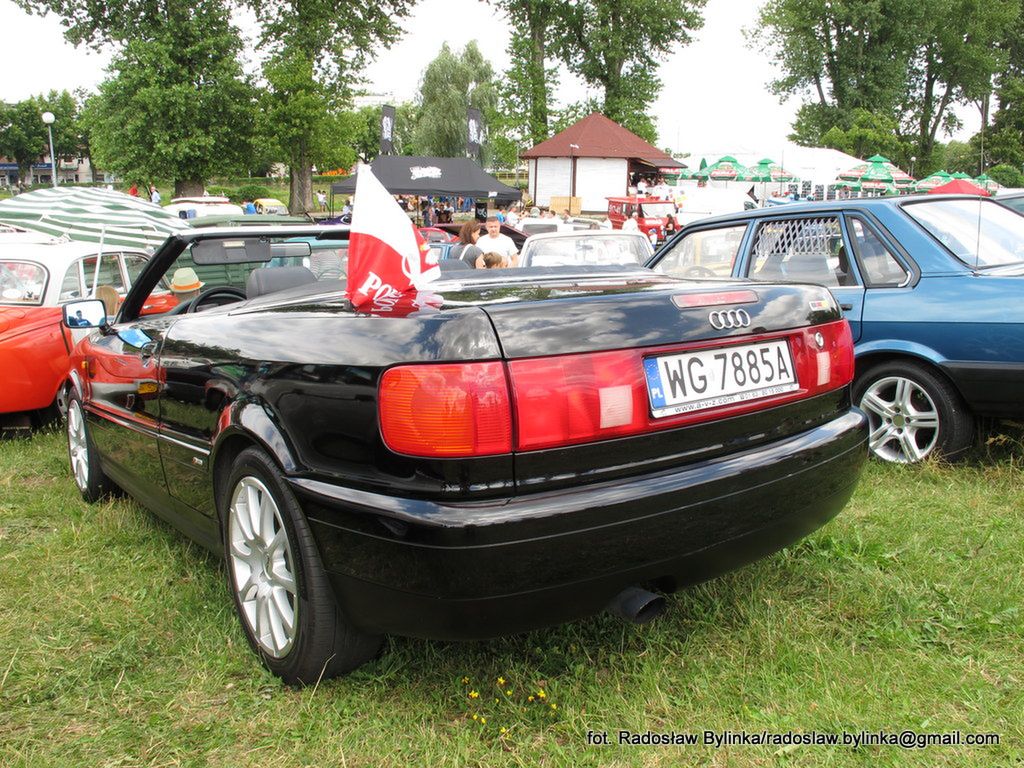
x: 512, y: 449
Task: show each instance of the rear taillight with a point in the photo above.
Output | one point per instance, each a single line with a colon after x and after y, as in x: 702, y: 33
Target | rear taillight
x: 449, y: 410
x: 465, y: 409
x: 824, y: 357
x: 578, y: 398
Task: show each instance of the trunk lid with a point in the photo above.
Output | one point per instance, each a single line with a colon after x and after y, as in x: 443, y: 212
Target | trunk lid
x: 551, y: 322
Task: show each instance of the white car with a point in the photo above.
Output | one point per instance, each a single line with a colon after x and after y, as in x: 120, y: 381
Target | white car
x: 204, y: 205
x: 533, y: 225
x: 595, y: 246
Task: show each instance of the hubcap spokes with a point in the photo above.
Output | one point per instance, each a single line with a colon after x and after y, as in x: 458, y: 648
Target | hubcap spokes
x: 903, y: 418
x: 77, y: 447
x: 262, y: 567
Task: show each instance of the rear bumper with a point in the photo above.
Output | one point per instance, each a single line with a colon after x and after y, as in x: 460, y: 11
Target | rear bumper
x: 476, y: 570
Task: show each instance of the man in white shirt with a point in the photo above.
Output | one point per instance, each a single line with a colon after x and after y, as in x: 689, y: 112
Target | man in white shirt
x: 495, y: 242
x: 631, y: 224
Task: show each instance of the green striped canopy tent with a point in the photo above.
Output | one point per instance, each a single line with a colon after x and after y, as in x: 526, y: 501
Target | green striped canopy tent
x: 936, y: 179
x: 90, y: 215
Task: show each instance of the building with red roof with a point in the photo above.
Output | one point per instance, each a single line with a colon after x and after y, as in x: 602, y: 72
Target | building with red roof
x: 593, y: 159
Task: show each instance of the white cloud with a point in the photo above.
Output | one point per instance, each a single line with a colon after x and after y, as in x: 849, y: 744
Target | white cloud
x: 714, y: 98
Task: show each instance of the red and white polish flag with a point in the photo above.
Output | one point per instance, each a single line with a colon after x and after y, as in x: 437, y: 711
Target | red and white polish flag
x: 387, y: 257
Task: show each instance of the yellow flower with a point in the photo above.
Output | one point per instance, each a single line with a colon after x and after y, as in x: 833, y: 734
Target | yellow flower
x: 501, y: 681
x: 554, y: 706
x: 529, y: 698
x: 483, y: 720
x: 476, y: 716
x: 474, y: 695
x: 465, y: 681
x: 503, y: 729
x: 507, y: 693
x: 541, y: 694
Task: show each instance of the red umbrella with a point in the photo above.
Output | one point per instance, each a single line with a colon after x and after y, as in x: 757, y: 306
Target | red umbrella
x: 959, y: 187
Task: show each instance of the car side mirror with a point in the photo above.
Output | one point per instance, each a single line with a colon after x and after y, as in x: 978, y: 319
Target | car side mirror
x: 88, y: 313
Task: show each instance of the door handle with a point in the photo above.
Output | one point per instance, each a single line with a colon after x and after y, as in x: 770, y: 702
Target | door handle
x: 846, y: 307
x: 147, y: 351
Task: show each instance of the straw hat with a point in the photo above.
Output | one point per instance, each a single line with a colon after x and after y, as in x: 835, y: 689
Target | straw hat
x: 185, y: 279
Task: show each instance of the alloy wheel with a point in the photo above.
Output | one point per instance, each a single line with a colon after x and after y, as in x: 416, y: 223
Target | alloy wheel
x: 78, y: 445
x: 263, y: 567
x: 904, y: 419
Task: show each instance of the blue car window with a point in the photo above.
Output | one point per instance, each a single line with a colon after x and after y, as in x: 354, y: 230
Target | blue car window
x: 881, y: 269
x: 704, y: 253
x: 806, y: 250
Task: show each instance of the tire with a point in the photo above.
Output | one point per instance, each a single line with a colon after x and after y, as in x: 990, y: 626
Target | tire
x: 914, y: 413
x: 278, y: 583
x: 82, y: 455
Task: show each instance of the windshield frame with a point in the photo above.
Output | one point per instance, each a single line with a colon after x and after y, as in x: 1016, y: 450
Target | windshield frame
x: 42, y: 291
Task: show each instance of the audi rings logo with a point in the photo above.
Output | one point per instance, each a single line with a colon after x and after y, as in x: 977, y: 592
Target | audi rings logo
x: 729, y: 318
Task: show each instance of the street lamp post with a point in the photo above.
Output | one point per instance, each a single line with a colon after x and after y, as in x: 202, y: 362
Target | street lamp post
x: 48, y: 118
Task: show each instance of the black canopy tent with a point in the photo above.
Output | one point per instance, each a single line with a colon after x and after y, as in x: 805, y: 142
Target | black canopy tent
x: 427, y: 176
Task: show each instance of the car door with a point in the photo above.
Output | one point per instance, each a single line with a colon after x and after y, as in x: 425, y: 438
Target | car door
x: 807, y: 249
x: 124, y: 380
x: 886, y: 275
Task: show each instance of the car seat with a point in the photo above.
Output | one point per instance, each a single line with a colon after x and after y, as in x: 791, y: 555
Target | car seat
x: 266, y: 280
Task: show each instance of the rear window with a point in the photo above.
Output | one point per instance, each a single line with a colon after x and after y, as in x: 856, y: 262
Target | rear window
x: 980, y: 233
x: 704, y: 253
x: 22, y: 283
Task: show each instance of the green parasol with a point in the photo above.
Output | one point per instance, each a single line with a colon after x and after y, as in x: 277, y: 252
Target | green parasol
x: 767, y: 170
x: 987, y: 183
x: 937, y: 179
x: 878, y: 169
x: 727, y: 168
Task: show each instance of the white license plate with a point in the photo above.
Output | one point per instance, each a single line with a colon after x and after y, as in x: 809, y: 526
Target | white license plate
x: 708, y: 378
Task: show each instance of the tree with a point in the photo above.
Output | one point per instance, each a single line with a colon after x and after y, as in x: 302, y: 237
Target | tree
x: 317, y: 49
x: 176, y: 106
x: 529, y: 81
x: 616, y: 47
x: 451, y: 84
x: 23, y: 135
x: 910, y: 60
x: 844, y: 54
x: 956, y: 59
x: 361, y: 129
x: 868, y: 134
x: 1007, y: 175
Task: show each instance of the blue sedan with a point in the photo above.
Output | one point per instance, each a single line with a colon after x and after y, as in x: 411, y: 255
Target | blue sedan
x: 932, y: 287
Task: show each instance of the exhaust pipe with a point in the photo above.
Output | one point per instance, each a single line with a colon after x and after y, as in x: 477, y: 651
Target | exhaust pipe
x: 637, y: 605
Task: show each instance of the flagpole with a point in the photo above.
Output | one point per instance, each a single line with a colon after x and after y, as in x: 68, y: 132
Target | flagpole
x: 96, y: 272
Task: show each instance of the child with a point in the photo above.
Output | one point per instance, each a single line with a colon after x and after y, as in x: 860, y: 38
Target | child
x: 494, y: 260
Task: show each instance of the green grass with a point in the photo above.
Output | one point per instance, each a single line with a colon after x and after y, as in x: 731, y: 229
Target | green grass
x: 118, y: 647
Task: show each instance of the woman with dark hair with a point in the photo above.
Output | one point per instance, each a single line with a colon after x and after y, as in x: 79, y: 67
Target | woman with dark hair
x: 467, y: 249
